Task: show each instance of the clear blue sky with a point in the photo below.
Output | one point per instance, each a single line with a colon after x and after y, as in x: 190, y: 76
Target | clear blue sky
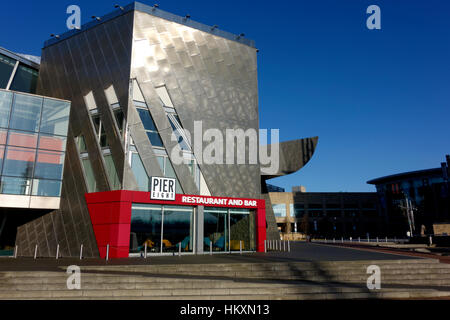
x: 379, y: 100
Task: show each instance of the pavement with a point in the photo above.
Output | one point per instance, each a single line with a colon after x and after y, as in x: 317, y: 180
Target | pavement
x: 300, y: 252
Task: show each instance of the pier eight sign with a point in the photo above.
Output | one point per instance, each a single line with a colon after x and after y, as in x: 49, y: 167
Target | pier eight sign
x: 162, y: 189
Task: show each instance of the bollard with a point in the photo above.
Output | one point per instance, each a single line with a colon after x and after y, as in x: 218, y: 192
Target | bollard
x: 351, y: 239
x: 240, y: 247
x: 377, y: 239
x: 107, y: 252
x: 284, y: 246
x: 359, y: 239
x: 395, y: 239
x: 35, y: 252
x: 145, y: 250
x: 179, y: 249
x: 386, y: 239
x: 280, y: 246
x: 210, y: 247
x: 81, y: 252
x: 57, y: 251
x: 289, y: 246
x: 325, y: 240
x: 15, y: 251
x: 334, y: 240
x: 265, y: 246
x: 431, y: 240
x: 342, y: 239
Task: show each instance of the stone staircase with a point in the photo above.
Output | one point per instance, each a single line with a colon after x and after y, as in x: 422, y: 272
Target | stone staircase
x: 400, y: 279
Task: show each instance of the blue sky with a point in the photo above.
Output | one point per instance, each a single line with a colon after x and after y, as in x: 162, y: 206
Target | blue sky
x: 379, y: 100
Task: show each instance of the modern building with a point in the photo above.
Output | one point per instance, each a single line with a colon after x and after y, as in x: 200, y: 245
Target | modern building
x: 144, y: 85
x: 426, y: 191
x: 18, y: 72
x: 328, y: 214
x: 33, y: 133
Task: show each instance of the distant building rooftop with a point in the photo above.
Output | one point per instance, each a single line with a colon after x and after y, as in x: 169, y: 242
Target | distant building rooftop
x: 407, y: 175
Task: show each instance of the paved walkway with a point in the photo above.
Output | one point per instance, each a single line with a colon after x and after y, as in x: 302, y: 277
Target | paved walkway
x: 300, y: 252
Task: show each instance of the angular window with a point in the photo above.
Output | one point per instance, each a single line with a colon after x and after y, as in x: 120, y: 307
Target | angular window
x: 19, y: 162
x: 25, y: 79
x: 139, y: 172
x: 112, y: 172
x: 120, y: 120
x: 55, y: 117
x: 100, y: 131
x: 49, y: 165
x: 5, y: 107
x: 46, y: 188
x: 6, y: 68
x: 150, y: 128
x: 89, y: 172
x: 81, y: 144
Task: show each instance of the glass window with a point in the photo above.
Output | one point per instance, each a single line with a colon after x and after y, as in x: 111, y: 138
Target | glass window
x: 55, y: 117
x: 49, y: 165
x: 5, y: 106
x: 19, y: 162
x: 146, y: 119
x: 22, y: 139
x: 46, y: 188
x: 120, y: 119
x: 242, y: 229
x: 26, y: 113
x: 25, y: 79
x: 215, y: 229
x: 155, y: 139
x: 146, y: 223
x: 57, y: 143
x: 81, y: 143
x: 6, y: 68
x: 279, y: 210
x: 178, y: 229
x: 140, y: 174
x: 100, y: 131
x: 19, y: 186
x: 90, y: 178
x: 112, y: 172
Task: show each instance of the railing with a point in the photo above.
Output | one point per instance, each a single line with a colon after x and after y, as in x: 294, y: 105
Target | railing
x: 360, y: 240
x: 277, y: 245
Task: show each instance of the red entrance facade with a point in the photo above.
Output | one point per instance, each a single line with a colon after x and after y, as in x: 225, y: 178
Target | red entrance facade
x: 110, y: 214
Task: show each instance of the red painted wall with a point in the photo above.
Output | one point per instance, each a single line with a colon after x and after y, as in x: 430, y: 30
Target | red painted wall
x: 111, y: 217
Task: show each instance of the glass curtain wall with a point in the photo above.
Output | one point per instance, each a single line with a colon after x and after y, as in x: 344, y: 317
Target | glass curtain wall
x: 163, y: 228
x: 228, y: 229
x: 33, y: 138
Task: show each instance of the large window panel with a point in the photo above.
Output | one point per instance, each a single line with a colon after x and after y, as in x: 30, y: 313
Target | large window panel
x: 146, y: 119
x: 25, y: 79
x: 18, y: 186
x: 48, y: 142
x: 279, y: 210
x: 242, y: 230
x: 55, y: 117
x: 215, y: 229
x: 22, y: 139
x: 19, y: 162
x: 5, y: 107
x: 178, y: 229
x: 3, y: 135
x: 46, y: 188
x: 26, y: 113
x: 146, y: 224
x: 49, y: 165
x: 155, y: 139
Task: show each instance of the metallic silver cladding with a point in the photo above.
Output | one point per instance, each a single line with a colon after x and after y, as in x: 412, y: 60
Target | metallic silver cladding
x: 91, y: 60
x: 209, y: 79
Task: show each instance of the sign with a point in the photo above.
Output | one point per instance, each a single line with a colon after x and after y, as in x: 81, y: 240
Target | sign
x: 211, y: 201
x: 162, y: 188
